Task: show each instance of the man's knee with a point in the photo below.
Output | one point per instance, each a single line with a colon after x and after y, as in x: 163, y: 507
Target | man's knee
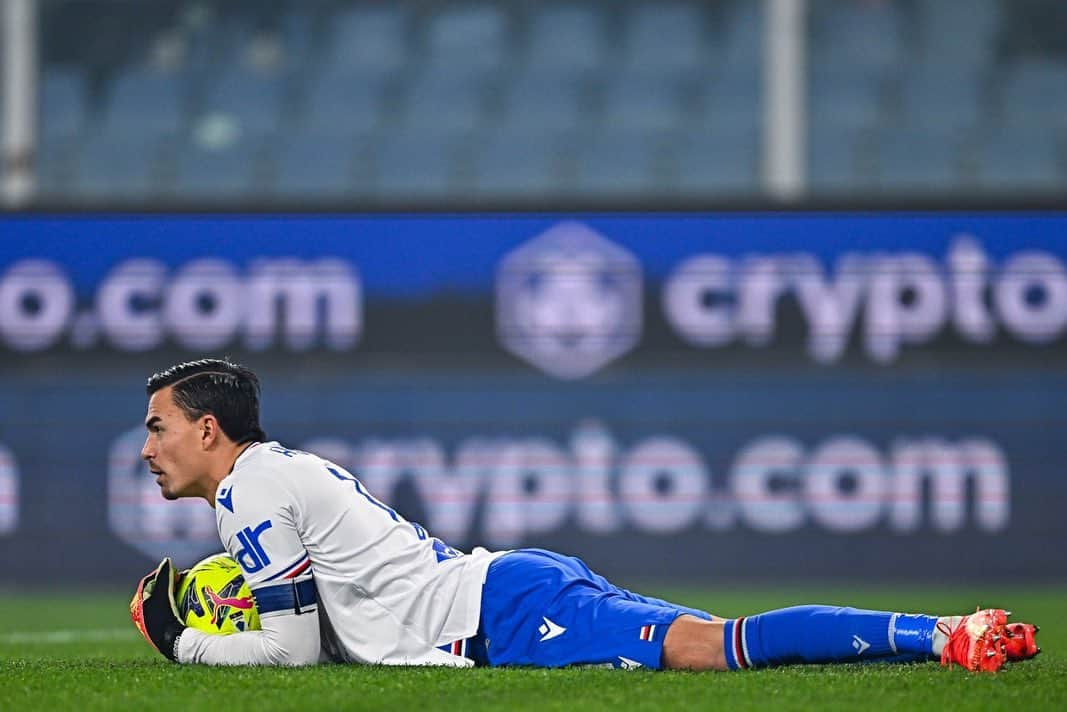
x: 694, y: 644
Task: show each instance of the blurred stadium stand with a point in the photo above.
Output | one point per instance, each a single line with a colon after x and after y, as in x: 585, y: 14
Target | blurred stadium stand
x: 472, y: 98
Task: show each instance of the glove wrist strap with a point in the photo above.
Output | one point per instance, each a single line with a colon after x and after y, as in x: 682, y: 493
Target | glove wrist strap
x: 174, y: 647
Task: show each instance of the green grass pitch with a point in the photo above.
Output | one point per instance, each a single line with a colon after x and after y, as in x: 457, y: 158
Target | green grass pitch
x: 81, y: 653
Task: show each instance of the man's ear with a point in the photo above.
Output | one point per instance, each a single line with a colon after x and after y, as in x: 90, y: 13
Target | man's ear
x: 209, y: 431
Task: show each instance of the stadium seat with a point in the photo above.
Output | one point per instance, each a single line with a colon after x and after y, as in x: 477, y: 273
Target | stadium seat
x: 338, y: 101
x: 835, y: 163
x: 845, y: 99
x: 1034, y: 93
x: 612, y: 163
x: 863, y: 37
x: 302, y: 33
x: 440, y: 102
x: 145, y: 102
x: 566, y: 39
x: 732, y: 101
x: 1012, y: 161
x: 912, y: 160
x: 314, y: 165
x: 56, y: 165
x: 931, y: 97
x: 62, y: 110
x: 411, y: 166
x: 371, y: 37
x: 518, y: 164
x: 469, y: 40
x: 541, y: 102
x: 957, y: 32
x: 252, y: 99
x: 709, y: 162
x: 664, y: 37
x: 220, y: 171
x: 743, y: 37
x: 506, y: 85
x: 644, y: 101
x: 116, y: 167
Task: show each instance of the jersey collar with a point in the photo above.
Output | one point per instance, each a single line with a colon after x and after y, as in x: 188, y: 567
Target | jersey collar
x: 243, y: 455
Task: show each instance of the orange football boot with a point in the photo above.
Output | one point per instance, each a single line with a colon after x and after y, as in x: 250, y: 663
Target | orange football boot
x: 979, y: 642
x: 1020, y: 643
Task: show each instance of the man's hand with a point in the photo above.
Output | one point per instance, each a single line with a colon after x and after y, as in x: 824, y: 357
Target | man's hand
x: 154, y: 611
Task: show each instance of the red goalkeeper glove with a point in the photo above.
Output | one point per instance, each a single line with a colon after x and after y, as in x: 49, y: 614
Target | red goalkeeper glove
x: 154, y: 612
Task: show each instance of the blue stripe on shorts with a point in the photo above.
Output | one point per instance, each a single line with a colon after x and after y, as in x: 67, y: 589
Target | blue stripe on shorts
x: 548, y: 610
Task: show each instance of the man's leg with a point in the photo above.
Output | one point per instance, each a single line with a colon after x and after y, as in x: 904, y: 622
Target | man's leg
x: 822, y: 634
x: 695, y: 644
x: 544, y: 609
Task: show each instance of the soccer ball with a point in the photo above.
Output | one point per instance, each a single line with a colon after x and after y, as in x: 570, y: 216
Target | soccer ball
x: 213, y: 597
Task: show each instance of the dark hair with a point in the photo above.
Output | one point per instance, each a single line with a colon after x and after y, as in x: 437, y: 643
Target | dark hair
x: 226, y: 390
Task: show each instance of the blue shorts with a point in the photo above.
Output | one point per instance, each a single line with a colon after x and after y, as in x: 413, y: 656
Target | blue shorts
x: 544, y: 609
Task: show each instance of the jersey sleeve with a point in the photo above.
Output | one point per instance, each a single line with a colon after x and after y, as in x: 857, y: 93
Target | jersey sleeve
x: 284, y: 640
x: 257, y: 524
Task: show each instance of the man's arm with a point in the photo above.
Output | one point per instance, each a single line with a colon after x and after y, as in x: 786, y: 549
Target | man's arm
x: 258, y: 526
x: 284, y: 640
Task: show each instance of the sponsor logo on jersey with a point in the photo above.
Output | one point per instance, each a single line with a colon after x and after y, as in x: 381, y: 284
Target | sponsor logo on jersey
x: 859, y: 644
x: 628, y: 664
x: 550, y: 630
x: 251, y: 556
x: 225, y: 498
x: 443, y: 551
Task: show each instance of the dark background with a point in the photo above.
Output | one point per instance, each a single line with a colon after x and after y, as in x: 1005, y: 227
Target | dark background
x: 428, y: 368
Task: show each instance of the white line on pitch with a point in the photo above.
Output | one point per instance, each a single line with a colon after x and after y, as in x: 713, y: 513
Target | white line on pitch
x: 68, y: 636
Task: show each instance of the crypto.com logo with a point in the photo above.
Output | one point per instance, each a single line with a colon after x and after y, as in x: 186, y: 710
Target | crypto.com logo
x: 568, y: 301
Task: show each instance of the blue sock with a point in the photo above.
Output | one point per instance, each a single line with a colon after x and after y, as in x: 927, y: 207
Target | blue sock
x: 822, y: 634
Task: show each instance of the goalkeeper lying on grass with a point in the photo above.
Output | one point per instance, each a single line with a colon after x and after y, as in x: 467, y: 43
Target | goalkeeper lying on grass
x: 338, y: 575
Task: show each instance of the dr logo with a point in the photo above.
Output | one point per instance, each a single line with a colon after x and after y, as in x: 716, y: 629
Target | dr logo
x: 251, y: 555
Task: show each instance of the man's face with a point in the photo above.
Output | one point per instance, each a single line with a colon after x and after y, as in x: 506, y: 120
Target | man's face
x: 173, y: 448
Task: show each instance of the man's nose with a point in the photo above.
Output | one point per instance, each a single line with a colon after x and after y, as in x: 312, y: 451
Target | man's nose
x: 146, y: 449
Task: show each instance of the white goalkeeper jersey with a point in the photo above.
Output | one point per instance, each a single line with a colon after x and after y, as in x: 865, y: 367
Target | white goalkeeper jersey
x: 302, y: 528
